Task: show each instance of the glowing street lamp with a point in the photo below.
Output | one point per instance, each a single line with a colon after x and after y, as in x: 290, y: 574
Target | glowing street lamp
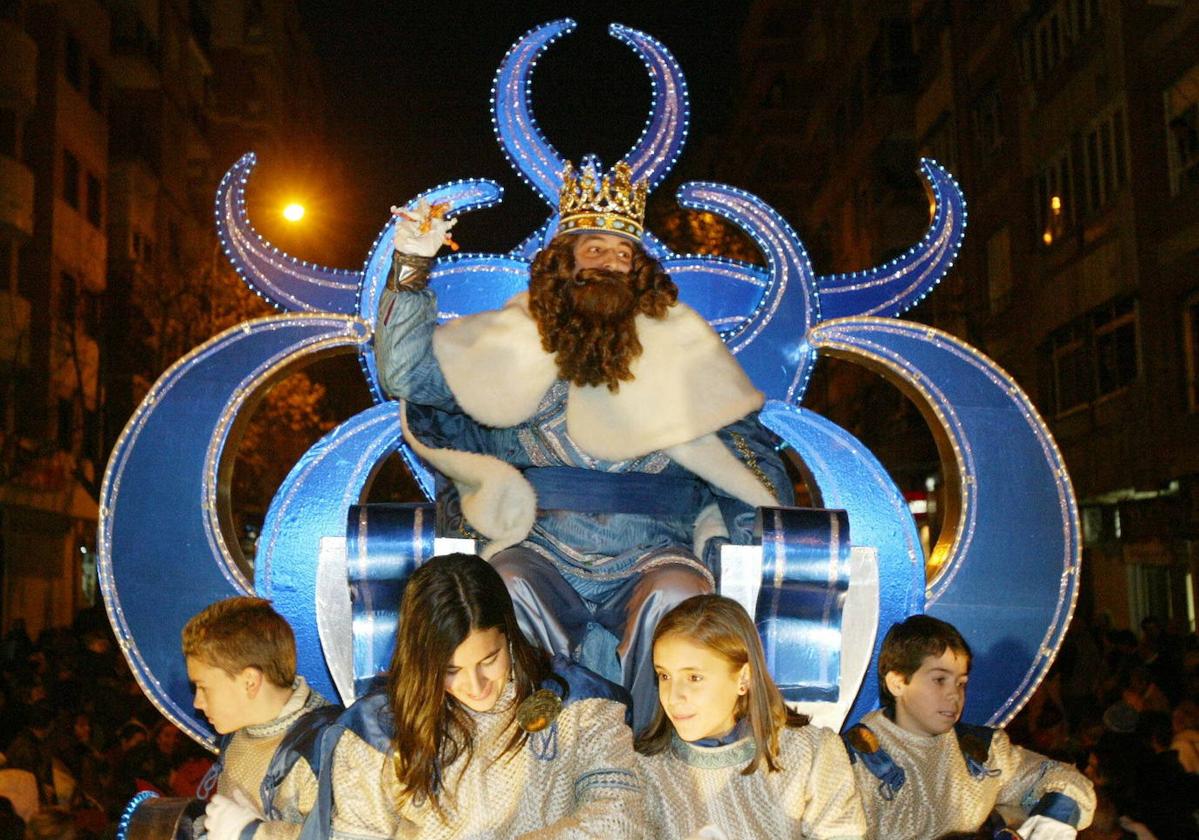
x: 293, y: 212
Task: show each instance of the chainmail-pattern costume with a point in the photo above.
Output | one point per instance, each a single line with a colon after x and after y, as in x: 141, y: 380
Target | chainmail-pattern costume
x: 248, y: 755
x: 575, y: 780
x: 813, y: 796
x: 940, y: 792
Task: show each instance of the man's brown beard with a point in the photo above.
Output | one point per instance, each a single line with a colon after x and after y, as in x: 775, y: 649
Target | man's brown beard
x: 598, y: 335
x: 587, y: 321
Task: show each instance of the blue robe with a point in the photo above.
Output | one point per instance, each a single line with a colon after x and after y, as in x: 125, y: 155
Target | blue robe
x: 614, y: 544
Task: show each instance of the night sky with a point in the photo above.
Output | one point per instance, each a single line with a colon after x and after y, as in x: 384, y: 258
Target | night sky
x: 409, y: 104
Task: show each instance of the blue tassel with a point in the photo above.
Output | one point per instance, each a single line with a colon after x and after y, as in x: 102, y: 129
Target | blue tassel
x: 545, y: 743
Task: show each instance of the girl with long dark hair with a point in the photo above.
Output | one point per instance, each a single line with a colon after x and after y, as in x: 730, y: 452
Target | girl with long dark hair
x: 724, y: 756
x: 477, y: 733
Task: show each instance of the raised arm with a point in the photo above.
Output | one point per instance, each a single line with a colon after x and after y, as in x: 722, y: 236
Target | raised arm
x: 408, y: 312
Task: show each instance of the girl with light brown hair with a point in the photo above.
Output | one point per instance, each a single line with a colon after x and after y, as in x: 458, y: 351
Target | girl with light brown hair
x: 724, y: 756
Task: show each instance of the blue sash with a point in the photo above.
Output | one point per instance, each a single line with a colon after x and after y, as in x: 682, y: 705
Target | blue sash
x: 593, y: 491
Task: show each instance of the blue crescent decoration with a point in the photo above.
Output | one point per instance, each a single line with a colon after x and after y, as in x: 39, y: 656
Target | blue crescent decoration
x: 288, y: 283
x: 1011, y: 533
x: 771, y: 344
x: 535, y: 159
x: 167, y: 547
x: 312, y: 503
x: 1009, y: 551
x: 897, y: 286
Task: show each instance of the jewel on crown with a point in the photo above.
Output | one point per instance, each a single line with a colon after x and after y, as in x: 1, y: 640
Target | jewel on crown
x: 610, y: 203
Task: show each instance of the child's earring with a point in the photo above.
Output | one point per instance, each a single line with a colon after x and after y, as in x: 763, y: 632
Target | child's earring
x: 742, y: 689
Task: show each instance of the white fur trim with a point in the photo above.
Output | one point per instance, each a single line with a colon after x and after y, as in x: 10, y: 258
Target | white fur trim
x: 494, y: 364
x: 711, y: 460
x: 708, y: 525
x: 685, y: 384
x: 497, y: 500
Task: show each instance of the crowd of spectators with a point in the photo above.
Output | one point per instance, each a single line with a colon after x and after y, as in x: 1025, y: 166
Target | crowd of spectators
x: 1125, y: 709
x: 78, y: 738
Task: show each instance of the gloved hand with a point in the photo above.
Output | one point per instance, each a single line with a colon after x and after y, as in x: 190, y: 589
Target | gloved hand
x: 225, y: 816
x: 423, y: 230
x: 1043, y: 828
x: 709, y: 832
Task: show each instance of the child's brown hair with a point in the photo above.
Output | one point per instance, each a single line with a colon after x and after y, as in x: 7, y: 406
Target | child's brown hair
x: 911, y: 641
x: 240, y: 633
x: 723, y: 626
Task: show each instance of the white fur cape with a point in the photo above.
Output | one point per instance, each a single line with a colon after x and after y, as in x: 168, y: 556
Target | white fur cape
x: 686, y: 386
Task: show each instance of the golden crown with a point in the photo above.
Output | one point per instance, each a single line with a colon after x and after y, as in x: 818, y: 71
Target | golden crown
x: 609, y: 204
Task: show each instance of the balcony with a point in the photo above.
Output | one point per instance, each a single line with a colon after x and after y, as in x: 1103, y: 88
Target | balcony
x: 14, y: 332
x: 16, y: 196
x: 79, y: 247
x: 136, y: 56
x: 18, y: 71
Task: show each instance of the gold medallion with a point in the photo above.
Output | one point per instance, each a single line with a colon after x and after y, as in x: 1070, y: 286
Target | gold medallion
x: 538, y: 710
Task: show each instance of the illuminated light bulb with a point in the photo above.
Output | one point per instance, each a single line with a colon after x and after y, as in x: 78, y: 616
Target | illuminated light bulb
x: 293, y: 212
x: 1047, y: 238
x: 1055, y: 204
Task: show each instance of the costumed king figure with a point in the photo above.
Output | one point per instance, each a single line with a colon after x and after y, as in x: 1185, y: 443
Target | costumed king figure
x: 597, y: 433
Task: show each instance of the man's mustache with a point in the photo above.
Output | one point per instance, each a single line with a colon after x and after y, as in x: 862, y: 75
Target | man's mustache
x: 598, y: 293
x: 600, y: 275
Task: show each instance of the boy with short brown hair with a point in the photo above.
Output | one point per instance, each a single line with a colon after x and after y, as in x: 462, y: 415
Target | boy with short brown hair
x: 241, y: 658
x: 922, y: 774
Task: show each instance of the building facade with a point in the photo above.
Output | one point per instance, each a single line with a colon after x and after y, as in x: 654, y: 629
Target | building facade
x: 113, y: 136
x: 1072, y: 126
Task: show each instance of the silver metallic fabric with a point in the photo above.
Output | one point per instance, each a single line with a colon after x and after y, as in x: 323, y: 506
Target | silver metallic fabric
x: 940, y: 794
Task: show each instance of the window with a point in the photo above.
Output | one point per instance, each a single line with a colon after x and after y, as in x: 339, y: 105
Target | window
x: 1182, y: 131
x: 1190, y: 330
x: 8, y: 132
x: 143, y: 248
x: 91, y: 434
x: 1071, y: 369
x: 1054, y: 195
x: 1105, y: 159
x: 6, y: 267
x: 777, y: 94
x: 254, y: 19
x: 1058, y: 31
x: 1148, y: 591
x: 94, y: 200
x: 1083, y: 15
x: 66, y: 424
x: 174, y: 243
x: 1115, y: 327
x: 1045, y: 45
x: 95, y: 85
x: 999, y: 269
x: 73, y: 62
x: 988, y: 131
x: 68, y: 298
x: 70, y: 179
x: 1092, y: 357
x: 89, y: 312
